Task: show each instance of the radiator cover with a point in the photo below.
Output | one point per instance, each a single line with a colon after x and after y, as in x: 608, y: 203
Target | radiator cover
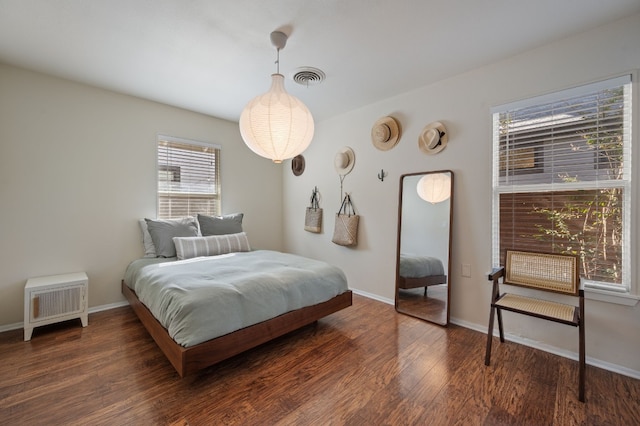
x: 55, y: 298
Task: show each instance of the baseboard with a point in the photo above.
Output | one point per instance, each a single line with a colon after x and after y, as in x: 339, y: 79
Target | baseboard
x: 109, y: 306
x: 374, y: 297
x: 551, y: 349
x: 20, y: 325
x: 9, y: 327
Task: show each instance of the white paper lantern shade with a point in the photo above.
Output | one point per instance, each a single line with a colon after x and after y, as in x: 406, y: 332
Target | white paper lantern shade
x: 276, y: 125
x: 434, y: 187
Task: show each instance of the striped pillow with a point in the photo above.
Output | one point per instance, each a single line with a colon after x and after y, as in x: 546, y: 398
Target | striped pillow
x: 212, y: 245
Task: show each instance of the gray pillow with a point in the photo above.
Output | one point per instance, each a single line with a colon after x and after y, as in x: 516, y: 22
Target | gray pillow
x: 162, y: 232
x: 220, y: 225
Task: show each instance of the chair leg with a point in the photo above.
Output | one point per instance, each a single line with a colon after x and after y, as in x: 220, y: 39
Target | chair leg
x: 582, y: 361
x: 581, y: 349
x: 500, y: 328
x: 487, y: 356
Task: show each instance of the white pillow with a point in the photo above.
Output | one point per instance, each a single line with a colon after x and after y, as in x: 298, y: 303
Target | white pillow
x: 212, y: 245
x: 149, y: 248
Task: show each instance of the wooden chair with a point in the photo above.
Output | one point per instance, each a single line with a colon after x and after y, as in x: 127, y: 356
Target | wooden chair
x: 556, y: 273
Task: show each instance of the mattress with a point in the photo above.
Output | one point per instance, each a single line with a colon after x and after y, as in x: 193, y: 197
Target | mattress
x: 206, y: 297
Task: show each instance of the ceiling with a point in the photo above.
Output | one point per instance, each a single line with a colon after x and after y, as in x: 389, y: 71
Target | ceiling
x: 213, y: 56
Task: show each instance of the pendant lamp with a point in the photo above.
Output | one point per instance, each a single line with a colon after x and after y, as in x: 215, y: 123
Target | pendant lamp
x: 276, y: 125
x: 434, y: 187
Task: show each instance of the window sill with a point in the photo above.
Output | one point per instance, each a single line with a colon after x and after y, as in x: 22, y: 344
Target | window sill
x: 610, y: 297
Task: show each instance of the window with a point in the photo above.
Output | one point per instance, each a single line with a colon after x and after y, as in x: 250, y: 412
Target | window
x: 188, y: 178
x: 562, y: 179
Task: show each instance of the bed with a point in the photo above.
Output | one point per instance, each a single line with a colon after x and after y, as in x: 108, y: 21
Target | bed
x: 420, y: 271
x: 205, y: 309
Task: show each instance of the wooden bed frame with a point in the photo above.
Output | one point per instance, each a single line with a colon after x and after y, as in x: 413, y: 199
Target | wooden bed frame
x: 194, y: 358
x: 408, y: 283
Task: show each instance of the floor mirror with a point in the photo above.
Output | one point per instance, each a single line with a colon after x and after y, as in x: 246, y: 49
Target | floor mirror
x: 423, y: 260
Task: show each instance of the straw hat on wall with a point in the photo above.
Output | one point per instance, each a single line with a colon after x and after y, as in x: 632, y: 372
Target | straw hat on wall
x: 433, y: 138
x: 385, y: 133
x: 344, y: 161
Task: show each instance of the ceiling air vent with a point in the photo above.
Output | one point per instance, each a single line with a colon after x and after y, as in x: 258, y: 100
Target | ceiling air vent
x: 308, y: 76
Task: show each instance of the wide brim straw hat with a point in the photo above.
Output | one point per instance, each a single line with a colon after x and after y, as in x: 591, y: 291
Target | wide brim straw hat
x: 433, y: 138
x: 385, y: 133
x: 344, y: 161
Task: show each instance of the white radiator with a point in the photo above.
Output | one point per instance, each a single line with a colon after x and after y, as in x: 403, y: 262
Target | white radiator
x: 55, y: 298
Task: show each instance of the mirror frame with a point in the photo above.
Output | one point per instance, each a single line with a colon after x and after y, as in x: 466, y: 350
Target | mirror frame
x: 448, y: 263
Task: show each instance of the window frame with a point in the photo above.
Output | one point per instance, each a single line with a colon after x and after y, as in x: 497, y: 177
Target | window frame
x: 629, y: 294
x: 216, y: 195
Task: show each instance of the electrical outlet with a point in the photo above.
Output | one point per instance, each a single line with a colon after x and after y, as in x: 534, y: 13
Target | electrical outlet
x: 466, y: 270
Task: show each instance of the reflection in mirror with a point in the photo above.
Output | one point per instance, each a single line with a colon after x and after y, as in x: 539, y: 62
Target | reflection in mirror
x: 424, y: 245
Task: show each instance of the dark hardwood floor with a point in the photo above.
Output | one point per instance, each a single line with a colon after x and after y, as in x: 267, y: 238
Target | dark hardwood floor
x: 365, y: 365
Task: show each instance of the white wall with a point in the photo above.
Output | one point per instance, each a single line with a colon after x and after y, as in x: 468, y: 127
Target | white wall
x: 462, y: 103
x: 78, y: 168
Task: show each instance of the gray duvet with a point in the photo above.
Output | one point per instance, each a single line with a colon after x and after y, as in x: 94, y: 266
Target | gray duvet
x: 412, y: 266
x: 206, y: 297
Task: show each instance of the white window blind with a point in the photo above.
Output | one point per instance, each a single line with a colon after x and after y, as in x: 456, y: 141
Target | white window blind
x: 188, y: 178
x: 562, y: 178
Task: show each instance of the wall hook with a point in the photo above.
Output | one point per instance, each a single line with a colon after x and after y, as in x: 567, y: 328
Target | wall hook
x: 382, y: 175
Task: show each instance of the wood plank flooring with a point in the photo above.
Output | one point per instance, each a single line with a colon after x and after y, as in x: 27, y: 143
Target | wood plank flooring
x: 365, y: 365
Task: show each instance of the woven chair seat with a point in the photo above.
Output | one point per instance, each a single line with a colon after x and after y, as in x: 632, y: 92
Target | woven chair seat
x: 540, y: 307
